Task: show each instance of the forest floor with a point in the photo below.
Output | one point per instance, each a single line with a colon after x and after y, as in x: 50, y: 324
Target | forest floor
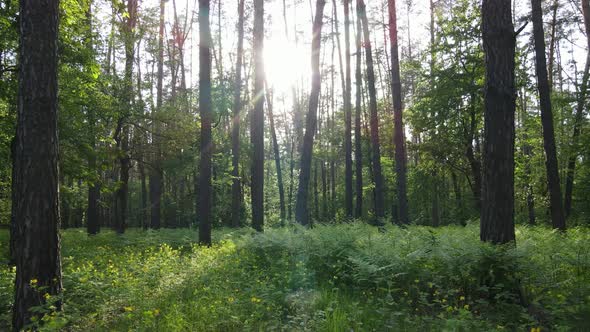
x: 347, y: 277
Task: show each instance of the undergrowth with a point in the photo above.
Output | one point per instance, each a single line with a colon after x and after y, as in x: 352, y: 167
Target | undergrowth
x: 330, y: 278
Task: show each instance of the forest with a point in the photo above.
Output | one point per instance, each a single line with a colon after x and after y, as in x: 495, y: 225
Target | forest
x: 291, y: 165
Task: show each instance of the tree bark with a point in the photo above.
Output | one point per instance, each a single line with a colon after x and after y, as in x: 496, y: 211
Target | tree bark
x: 399, y: 140
x: 257, y: 120
x: 555, y: 203
x: 277, y: 155
x: 237, y: 106
x: 205, y: 108
x: 347, y: 115
x: 499, y: 41
x: 92, y: 217
x: 301, y: 213
x: 374, y: 117
x: 36, y: 210
x: 358, y: 144
x: 156, y: 173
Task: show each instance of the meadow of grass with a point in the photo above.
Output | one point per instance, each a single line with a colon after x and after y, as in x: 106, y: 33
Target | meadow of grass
x: 345, y: 277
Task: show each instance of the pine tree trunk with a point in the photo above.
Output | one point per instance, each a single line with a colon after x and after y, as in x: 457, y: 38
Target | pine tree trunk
x: 301, y: 213
x: 555, y: 203
x: 499, y: 41
x: 205, y: 108
x: 156, y: 173
x: 36, y: 208
x: 358, y: 143
x: 347, y: 116
x: 235, y: 135
x: 277, y: 155
x: 374, y: 119
x: 257, y: 120
x: 399, y: 140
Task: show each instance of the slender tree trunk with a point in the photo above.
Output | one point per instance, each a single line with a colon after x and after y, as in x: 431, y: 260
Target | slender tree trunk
x: 125, y: 159
x: 205, y: 108
x: 277, y: 154
x: 579, y: 116
x: 257, y: 121
x: 374, y: 119
x: 499, y: 41
x: 358, y: 144
x: 301, y: 213
x: 399, y: 140
x: 36, y: 210
x: 237, y: 106
x: 92, y: 218
x: 555, y: 203
x: 347, y: 116
x: 156, y: 173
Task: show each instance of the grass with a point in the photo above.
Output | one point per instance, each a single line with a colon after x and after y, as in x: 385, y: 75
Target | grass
x: 330, y: 278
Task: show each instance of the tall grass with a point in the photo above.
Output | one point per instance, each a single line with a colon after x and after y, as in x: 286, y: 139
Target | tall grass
x: 329, y: 278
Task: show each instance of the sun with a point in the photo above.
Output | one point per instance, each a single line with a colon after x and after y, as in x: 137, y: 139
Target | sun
x: 285, y: 63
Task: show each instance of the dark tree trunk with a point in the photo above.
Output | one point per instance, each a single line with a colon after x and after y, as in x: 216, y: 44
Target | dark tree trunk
x: 125, y: 159
x: 277, y: 155
x: 301, y: 213
x: 347, y: 116
x: 36, y: 210
x: 92, y: 218
x: 257, y: 120
x: 579, y: 116
x: 499, y: 41
x: 206, y: 111
x: 358, y: 144
x: 555, y: 203
x: 156, y: 172
x: 398, y: 139
x: 235, y: 134
x: 374, y: 117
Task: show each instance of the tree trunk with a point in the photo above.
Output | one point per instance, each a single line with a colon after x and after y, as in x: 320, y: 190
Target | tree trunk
x: 579, y: 116
x: 301, y: 213
x: 358, y: 144
x: 374, y: 119
x: 399, y: 140
x: 156, y: 173
x: 347, y: 116
x: 257, y: 120
x: 92, y: 218
x: 206, y: 111
x: 235, y: 134
x: 36, y: 210
x: 555, y: 203
x: 277, y: 154
x: 499, y: 41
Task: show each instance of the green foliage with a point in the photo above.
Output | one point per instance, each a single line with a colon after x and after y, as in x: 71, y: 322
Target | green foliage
x: 330, y: 278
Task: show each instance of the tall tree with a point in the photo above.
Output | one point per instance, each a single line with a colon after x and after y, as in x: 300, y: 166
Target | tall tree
x: 205, y: 108
x: 257, y: 120
x: 122, y: 136
x: 347, y: 115
x: 358, y: 144
x: 398, y: 139
x: 276, y: 152
x: 374, y: 117
x: 156, y: 172
x: 555, y: 203
x: 499, y: 42
x: 92, y: 218
x: 36, y: 210
x: 579, y: 115
x: 301, y: 211
x: 235, y: 134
